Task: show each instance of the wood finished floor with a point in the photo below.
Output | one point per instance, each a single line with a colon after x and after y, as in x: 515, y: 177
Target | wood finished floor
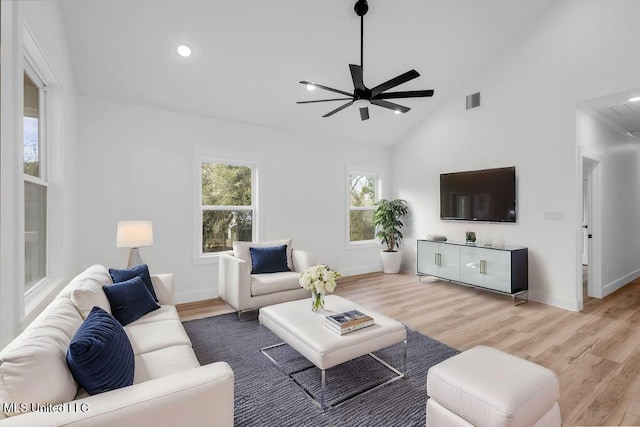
x: 595, y: 353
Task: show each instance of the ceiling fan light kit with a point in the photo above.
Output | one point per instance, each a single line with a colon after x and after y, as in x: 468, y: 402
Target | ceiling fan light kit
x: 362, y: 96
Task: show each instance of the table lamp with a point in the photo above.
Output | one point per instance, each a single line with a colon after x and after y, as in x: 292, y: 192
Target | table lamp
x: 134, y: 235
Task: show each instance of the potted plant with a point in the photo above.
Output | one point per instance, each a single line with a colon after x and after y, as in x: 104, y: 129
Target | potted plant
x: 387, y: 219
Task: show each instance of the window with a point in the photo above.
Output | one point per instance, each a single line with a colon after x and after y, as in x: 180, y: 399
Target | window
x: 364, y: 191
x: 35, y: 183
x: 227, y: 202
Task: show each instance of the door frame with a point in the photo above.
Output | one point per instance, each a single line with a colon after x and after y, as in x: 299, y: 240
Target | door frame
x: 594, y: 268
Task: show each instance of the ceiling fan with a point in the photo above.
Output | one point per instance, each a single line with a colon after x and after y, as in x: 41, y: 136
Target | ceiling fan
x: 362, y: 96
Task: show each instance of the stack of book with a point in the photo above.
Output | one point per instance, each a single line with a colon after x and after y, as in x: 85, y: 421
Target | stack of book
x: 349, y: 321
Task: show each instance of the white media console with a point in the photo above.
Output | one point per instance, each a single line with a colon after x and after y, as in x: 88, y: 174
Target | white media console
x: 503, y: 269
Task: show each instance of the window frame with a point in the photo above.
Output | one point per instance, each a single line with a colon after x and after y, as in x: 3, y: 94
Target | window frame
x: 202, y: 156
x: 376, y: 173
x: 42, y: 180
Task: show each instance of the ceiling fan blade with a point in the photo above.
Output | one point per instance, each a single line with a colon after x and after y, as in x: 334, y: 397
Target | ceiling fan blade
x: 390, y: 105
x: 323, y: 100
x: 402, y: 78
x: 407, y: 94
x: 364, y: 113
x: 326, y: 88
x: 356, y: 75
x: 342, y: 107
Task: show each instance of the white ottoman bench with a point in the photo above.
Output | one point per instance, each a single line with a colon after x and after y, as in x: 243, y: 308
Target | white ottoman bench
x: 484, y: 386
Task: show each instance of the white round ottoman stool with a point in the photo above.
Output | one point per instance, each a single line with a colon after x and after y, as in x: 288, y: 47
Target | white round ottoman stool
x: 486, y: 387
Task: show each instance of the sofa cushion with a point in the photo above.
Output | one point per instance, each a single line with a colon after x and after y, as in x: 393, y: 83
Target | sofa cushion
x: 130, y: 300
x: 85, y: 290
x: 147, y: 337
x: 241, y: 249
x: 33, y: 367
x: 165, y: 312
x: 163, y: 362
x: 262, y: 284
x: 100, y: 355
x: 272, y: 259
x: 141, y: 271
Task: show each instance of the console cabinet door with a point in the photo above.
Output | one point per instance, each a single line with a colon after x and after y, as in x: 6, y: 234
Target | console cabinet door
x: 470, y: 260
x: 427, y: 258
x: 497, y: 270
x: 449, y: 267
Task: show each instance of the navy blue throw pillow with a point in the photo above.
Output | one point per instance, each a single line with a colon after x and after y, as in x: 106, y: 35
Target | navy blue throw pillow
x: 100, y: 356
x: 141, y: 270
x: 272, y: 259
x: 130, y: 300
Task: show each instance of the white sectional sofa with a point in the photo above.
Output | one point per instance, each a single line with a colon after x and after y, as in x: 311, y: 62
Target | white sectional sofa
x: 169, y: 387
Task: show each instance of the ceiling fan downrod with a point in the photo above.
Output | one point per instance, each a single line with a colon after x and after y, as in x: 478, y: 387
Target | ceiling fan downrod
x: 361, y: 8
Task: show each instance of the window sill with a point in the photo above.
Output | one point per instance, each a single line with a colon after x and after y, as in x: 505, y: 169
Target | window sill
x: 35, y: 302
x: 365, y: 244
x: 209, y: 259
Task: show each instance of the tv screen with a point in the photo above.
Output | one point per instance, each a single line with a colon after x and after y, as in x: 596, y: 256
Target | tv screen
x: 483, y: 195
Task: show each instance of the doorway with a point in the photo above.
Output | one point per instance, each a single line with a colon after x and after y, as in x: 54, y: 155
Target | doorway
x: 589, y: 259
x: 587, y: 235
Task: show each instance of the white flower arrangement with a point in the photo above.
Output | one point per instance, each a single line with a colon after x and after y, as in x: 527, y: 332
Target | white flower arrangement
x: 319, y: 279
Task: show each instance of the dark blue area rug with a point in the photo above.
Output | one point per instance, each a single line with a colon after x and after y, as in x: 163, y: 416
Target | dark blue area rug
x: 265, y: 396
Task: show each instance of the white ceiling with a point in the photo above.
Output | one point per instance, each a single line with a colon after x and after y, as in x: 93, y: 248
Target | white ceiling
x: 618, y: 109
x: 248, y: 56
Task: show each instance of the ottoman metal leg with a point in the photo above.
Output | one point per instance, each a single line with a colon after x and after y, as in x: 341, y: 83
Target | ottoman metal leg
x: 324, y: 382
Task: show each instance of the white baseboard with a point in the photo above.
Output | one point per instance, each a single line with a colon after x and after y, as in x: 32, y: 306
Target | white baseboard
x: 364, y: 269
x: 203, y: 294
x: 617, y: 284
x: 565, y: 303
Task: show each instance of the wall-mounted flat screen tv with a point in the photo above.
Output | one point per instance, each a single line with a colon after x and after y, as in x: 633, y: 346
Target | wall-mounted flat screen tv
x: 482, y: 195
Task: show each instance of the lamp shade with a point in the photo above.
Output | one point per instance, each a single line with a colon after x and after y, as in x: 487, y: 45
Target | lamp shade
x: 134, y: 234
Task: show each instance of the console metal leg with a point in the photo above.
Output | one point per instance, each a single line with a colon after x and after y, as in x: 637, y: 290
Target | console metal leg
x: 518, y: 295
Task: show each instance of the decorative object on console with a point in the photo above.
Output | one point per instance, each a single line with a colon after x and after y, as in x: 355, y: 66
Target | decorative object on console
x: 362, y: 96
x: 470, y: 238
x: 319, y: 279
x: 437, y: 237
x: 134, y: 235
x: 387, y: 218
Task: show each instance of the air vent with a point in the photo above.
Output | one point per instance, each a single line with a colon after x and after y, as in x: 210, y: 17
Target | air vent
x: 473, y: 100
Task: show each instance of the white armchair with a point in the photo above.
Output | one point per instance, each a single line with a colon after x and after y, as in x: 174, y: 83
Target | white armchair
x: 245, y: 291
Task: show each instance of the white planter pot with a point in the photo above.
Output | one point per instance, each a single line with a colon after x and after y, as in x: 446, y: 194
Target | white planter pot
x: 391, y: 262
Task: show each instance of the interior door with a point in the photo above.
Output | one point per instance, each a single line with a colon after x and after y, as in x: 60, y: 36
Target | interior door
x: 586, y: 211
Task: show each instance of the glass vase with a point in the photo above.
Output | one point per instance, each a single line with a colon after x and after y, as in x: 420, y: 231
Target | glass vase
x: 317, y: 301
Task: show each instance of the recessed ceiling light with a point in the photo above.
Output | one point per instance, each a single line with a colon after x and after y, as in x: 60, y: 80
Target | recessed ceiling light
x: 634, y: 99
x: 311, y: 87
x: 397, y: 111
x: 184, y: 50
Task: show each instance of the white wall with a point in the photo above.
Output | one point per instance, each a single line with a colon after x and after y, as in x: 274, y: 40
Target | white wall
x: 137, y: 163
x: 44, y: 22
x: 619, y: 195
x: 576, y: 50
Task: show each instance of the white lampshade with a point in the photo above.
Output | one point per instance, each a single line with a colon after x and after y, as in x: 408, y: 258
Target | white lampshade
x: 134, y: 234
